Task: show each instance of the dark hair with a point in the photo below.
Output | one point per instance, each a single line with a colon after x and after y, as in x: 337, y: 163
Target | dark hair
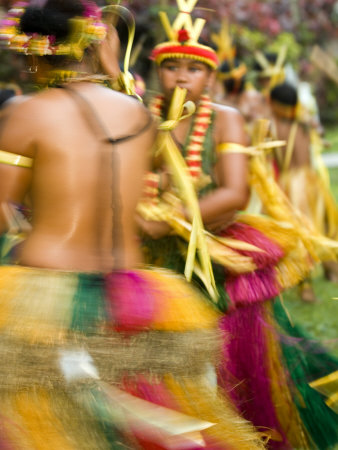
x: 6, y: 94
x: 51, y: 19
x: 271, y: 57
x: 232, y: 85
x: 284, y: 93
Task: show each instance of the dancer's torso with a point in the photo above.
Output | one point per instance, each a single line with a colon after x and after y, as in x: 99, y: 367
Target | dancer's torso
x: 169, y: 251
x: 71, y: 182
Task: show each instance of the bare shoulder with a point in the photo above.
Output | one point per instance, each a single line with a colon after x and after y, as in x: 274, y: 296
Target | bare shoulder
x: 122, y: 99
x: 18, y: 122
x: 120, y: 111
x: 30, y: 110
x: 225, y: 110
x: 17, y: 107
x: 133, y: 106
x: 134, y: 115
x: 47, y: 104
x: 229, y: 125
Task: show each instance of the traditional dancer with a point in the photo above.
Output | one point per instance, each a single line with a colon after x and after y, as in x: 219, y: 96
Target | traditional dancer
x: 307, y: 187
x: 212, y: 142
x: 96, y: 353
x: 240, y: 94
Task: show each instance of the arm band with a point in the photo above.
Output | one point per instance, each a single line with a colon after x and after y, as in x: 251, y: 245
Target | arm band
x: 13, y: 159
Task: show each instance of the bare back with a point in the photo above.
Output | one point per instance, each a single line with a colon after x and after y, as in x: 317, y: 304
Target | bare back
x: 78, y: 178
x: 301, y: 154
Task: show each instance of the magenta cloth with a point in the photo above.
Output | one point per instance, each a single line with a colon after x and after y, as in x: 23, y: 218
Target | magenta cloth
x: 154, y: 392
x: 131, y: 304
x: 258, y: 285
x: 253, y: 287
x: 272, y: 252
x: 244, y: 373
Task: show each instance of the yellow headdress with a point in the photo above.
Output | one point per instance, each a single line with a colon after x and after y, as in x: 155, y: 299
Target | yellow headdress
x: 183, y: 37
x: 274, y: 71
x: 226, y: 51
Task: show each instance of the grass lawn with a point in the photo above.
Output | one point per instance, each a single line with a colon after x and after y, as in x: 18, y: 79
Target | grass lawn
x: 320, y: 319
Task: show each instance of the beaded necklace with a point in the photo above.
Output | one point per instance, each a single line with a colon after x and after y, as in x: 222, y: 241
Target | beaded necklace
x: 59, y: 76
x: 201, y: 123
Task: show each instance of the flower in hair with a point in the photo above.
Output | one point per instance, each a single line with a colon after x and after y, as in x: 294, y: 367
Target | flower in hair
x: 84, y: 31
x: 91, y: 10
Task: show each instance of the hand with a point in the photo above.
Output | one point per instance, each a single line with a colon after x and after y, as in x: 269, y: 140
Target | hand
x: 152, y: 228
x: 219, y: 224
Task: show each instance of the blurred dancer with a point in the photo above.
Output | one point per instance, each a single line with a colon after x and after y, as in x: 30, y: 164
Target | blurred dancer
x: 306, y: 190
x: 232, y: 74
x: 97, y: 351
x: 242, y: 95
x: 213, y: 143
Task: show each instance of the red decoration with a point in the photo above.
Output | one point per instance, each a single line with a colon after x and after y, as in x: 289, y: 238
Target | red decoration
x: 183, y: 36
x: 202, y: 53
x: 197, y: 137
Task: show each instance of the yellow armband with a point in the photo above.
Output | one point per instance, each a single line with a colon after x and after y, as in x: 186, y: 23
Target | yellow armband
x: 254, y: 150
x: 13, y: 159
x: 232, y: 147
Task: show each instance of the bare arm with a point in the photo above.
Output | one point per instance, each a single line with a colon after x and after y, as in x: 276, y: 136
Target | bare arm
x: 302, y: 154
x: 220, y: 205
x: 14, y: 180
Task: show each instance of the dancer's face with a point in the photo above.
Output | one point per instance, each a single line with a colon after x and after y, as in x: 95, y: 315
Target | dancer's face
x: 192, y: 75
x: 253, y: 105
